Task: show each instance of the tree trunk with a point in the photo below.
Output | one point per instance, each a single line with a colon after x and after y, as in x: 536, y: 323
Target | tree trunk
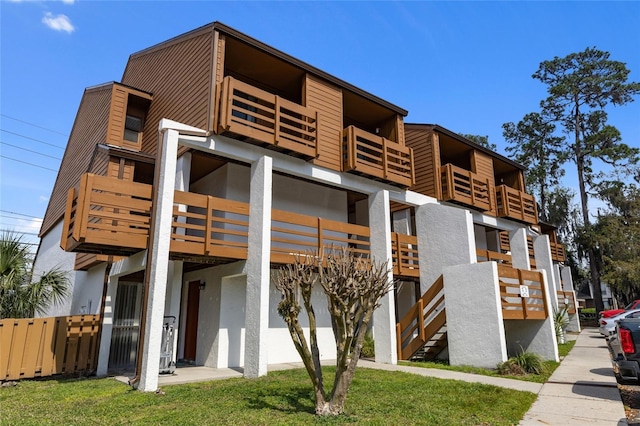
x: 593, y: 267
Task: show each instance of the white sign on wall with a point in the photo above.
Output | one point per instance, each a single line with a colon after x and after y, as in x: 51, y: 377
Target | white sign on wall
x: 524, y: 291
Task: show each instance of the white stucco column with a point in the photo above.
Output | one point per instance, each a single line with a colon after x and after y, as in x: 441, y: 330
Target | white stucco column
x: 258, y: 277
x: 519, y: 249
x: 475, y: 327
x: 402, y: 222
x: 107, y: 327
x: 542, y: 251
x: 384, y: 319
x: 567, y: 285
x: 445, y: 238
x: 156, y: 278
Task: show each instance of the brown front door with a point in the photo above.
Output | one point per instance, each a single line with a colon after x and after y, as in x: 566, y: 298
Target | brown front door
x: 191, y: 325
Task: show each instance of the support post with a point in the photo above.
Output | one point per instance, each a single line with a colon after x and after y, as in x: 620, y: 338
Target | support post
x: 384, y: 320
x: 258, y: 273
x: 157, y: 266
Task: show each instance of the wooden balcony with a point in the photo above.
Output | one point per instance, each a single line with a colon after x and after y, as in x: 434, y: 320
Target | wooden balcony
x: 264, y: 118
x: 112, y: 216
x: 515, y: 304
x: 566, y: 300
x: 557, y: 252
x: 465, y: 187
x: 107, y: 216
x: 404, y: 250
x: 516, y: 205
x: 377, y: 157
x: 493, y: 256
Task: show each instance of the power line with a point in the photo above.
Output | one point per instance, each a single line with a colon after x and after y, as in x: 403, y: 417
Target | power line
x: 19, y: 232
x: 30, y: 138
x: 29, y: 150
x: 20, y: 214
x: 31, y: 164
x: 34, y: 125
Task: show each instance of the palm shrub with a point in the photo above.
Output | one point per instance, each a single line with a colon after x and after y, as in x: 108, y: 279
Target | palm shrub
x: 560, y: 323
x: 20, y: 295
x: 521, y: 364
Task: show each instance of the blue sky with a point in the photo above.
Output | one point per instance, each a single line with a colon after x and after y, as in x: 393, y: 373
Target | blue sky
x: 464, y: 65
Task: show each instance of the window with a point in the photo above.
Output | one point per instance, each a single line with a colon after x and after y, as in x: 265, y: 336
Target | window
x: 132, y: 128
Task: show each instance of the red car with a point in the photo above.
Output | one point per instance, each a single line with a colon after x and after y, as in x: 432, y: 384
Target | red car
x: 613, y: 312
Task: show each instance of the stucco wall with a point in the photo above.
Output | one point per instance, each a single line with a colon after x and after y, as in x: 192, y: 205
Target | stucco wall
x: 85, y: 287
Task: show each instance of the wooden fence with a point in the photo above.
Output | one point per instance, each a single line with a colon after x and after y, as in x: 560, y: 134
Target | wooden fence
x: 40, y: 347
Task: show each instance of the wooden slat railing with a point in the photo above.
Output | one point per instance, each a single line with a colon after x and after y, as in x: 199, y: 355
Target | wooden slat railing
x: 422, y: 322
x: 557, y: 252
x: 493, y: 256
x: 293, y: 233
x: 404, y: 251
x: 566, y: 299
x: 209, y: 226
x: 264, y: 117
x: 40, y: 347
x: 378, y: 157
x: 203, y: 225
x: 514, y: 306
x: 531, y: 252
x: 516, y: 204
x: 106, y: 212
x: 465, y: 187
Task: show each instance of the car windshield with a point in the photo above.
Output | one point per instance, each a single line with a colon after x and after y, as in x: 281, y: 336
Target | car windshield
x: 629, y: 306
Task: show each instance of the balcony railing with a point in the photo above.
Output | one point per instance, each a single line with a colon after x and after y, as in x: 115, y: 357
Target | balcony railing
x: 566, y: 300
x: 522, y: 293
x: 516, y: 204
x: 465, y: 187
x: 266, y: 118
x: 112, y: 216
x: 493, y: 256
x: 107, y: 216
x: 377, y: 157
x: 557, y: 252
x: 404, y: 250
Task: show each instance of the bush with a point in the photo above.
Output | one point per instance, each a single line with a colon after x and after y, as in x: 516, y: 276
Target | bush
x: 368, y: 347
x: 521, y: 364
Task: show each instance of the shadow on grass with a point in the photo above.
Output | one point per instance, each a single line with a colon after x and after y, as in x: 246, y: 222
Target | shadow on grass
x: 292, y: 400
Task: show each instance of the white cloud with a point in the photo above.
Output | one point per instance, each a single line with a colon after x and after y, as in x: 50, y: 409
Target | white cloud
x: 68, y: 1
x: 43, y: 198
x: 34, y: 225
x: 58, y: 23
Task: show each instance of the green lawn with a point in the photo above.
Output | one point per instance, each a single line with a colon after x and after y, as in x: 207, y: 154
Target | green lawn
x: 284, y: 397
x: 549, y: 367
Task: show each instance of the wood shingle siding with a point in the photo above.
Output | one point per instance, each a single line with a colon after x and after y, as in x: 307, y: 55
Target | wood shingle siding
x: 89, y: 129
x: 179, y: 73
x: 327, y: 100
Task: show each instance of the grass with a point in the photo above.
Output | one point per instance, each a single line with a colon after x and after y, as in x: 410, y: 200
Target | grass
x: 284, y: 398
x: 548, y: 367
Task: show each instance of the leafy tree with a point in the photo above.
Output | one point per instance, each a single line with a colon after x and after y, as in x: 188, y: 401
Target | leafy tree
x: 354, y: 287
x: 580, y: 86
x: 480, y: 140
x: 534, y: 144
x: 616, y: 237
x: 20, y: 297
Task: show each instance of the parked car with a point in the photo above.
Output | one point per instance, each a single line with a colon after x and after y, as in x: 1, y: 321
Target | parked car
x: 613, y: 312
x: 625, y: 344
x: 608, y: 325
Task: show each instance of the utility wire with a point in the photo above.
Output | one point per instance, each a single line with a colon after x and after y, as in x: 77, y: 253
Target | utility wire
x: 34, y: 125
x: 30, y: 138
x: 30, y: 150
x: 25, y: 162
x: 20, y: 214
x: 19, y: 232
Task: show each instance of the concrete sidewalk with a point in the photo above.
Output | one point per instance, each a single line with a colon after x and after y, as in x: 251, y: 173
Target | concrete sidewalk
x: 582, y: 391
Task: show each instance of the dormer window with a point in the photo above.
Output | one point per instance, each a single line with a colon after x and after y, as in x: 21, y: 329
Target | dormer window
x: 132, y: 128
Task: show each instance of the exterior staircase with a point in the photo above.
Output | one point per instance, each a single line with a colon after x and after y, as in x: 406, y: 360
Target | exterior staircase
x: 422, y: 332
